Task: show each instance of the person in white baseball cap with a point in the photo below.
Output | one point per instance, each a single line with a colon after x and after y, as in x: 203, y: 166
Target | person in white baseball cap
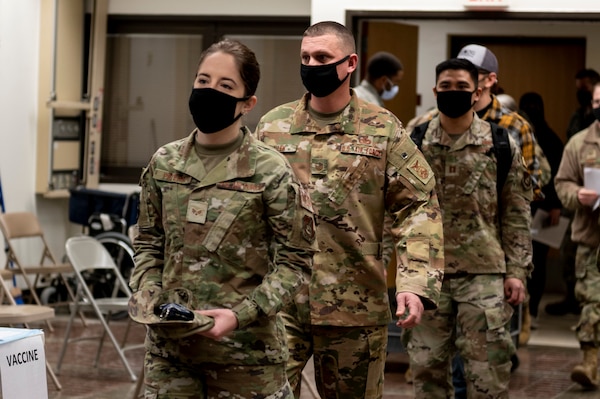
x: 481, y: 57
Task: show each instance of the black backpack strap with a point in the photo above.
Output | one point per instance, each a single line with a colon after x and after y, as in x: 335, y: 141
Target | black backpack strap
x: 501, y: 149
x: 503, y: 155
x: 418, y: 133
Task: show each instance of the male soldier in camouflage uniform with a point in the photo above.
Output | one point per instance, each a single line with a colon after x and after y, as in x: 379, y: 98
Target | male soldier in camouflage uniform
x: 487, y: 256
x: 357, y: 162
x: 581, y: 157
x: 227, y: 234
x: 490, y: 109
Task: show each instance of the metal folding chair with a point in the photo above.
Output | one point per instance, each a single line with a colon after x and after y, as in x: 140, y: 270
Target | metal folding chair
x: 25, y: 227
x: 90, y: 258
x: 12, y: 314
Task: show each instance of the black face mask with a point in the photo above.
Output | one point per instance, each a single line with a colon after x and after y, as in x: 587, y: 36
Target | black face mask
x: 454, y: 103
x: 322, y: 80
x: 584, y: 97
x: 596, y: 112
x: 213, y: 110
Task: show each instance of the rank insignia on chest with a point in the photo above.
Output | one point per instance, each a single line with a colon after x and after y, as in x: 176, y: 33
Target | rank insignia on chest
x: 318, y: 166
x: 196, y: 211
x: 451, y: 170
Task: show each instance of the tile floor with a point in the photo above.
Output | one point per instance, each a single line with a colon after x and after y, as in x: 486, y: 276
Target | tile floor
x: 546, y: 363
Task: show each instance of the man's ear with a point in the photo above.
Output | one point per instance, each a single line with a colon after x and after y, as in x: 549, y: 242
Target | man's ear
x: 477, y: 93
x: 380, y: 83
x: 352, y: 63
x: 493, y: 79
x: 434, y: 91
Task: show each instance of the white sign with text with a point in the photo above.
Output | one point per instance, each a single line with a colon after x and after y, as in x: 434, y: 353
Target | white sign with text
x: 23, y: 364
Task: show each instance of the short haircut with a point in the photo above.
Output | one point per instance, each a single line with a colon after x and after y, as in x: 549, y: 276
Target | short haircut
x: 333, y: 28
x: 383, y: 64
x: 591, y: 74
x: 457, y: 64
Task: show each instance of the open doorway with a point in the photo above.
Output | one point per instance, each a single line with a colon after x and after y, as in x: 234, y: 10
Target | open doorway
x: 565, y: 43
x: 531, y: 64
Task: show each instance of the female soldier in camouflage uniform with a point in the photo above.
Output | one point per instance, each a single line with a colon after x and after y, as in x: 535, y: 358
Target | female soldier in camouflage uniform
x: 226, y: 231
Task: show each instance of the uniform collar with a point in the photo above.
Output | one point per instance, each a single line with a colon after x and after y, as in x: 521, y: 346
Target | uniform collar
x: 240, y: 164
x: 476, y: 135
x: 593, y: 133
x: 347, y: 122
x: 495, y: 111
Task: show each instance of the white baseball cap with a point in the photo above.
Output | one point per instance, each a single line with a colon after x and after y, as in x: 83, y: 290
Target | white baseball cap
x: 480, y: 56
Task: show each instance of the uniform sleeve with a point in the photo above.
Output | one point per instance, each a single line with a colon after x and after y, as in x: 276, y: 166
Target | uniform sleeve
x: 515, y: 222
x: 149, y: 243
x: 568, y: 180
x: 417, y: 226
x: 289, y: 213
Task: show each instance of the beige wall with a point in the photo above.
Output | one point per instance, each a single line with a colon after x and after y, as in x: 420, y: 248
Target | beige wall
x: 211, y: 7
x: 335, y: 10
x: 19, y: 52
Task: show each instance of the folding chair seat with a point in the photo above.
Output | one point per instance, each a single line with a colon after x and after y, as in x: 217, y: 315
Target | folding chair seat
x: 90, y: 258
x: 12, y: 314
x: 25, y: 227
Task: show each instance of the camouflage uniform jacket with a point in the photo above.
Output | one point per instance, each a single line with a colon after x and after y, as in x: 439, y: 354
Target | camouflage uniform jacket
x: 518, y: 128
x: 355, y: 169
x: 582, y: 151
x: 241, y: 236
x: 476, y: 239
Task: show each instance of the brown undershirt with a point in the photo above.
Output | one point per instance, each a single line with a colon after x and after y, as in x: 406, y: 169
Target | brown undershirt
x: 324, y: 119
x: 211, y: 155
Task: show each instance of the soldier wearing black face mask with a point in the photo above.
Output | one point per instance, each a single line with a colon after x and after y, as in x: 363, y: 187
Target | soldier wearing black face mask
x: 358, y: 164
x: 583, y: 116
x: 487, y: 257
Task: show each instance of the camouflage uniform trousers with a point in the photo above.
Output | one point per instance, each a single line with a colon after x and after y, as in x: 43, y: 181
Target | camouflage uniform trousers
x: 587, y: 292
x: 349, y: 361
x: 475, y: 306
x: 170, y: 379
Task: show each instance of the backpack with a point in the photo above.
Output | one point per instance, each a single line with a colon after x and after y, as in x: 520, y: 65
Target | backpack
x: 501, y: 149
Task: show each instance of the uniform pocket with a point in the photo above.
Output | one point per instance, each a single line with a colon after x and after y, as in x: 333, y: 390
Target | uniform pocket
x: 499, y: 344
x: 224, y: 221
x: 349, y: 180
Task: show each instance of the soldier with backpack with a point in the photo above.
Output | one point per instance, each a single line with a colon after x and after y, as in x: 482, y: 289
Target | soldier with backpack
x: 487, y: 243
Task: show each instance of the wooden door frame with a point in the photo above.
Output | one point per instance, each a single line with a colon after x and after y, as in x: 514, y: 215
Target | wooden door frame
x: 354, y: 17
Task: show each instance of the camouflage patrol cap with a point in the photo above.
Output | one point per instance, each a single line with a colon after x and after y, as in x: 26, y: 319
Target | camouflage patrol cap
x: 142, y: 306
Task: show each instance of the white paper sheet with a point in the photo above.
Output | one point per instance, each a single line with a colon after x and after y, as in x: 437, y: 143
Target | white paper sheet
x: 591, y: 181
x: 542, y: 232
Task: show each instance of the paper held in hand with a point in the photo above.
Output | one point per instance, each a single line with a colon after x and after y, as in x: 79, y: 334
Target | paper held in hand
x: 543, y: 232
x: 591, y: 180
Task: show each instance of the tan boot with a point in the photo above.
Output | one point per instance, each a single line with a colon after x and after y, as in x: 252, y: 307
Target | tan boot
x: 586, y: 373
x: 408, y: 376
x: 525, y: 326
